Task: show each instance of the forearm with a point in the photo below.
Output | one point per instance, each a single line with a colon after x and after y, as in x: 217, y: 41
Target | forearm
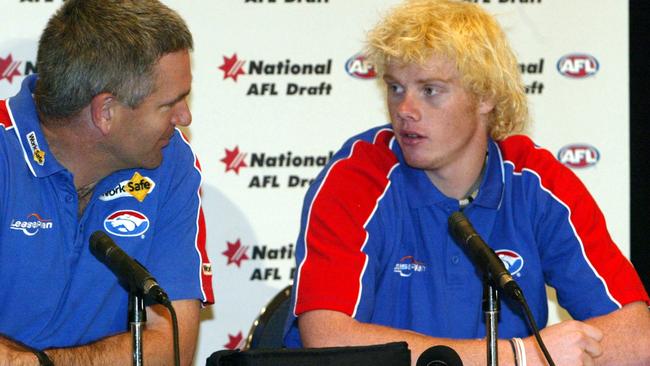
x: 353, y: 333
x: 156, y: 341
x: 626, y: 338
x: 117, y: 350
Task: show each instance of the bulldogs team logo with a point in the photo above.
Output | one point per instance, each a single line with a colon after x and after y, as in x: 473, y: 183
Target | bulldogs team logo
x: 511, y: 259
x: 126, y: 223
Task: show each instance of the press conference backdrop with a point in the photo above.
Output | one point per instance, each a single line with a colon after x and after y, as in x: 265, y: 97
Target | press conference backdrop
x: 279, y: 85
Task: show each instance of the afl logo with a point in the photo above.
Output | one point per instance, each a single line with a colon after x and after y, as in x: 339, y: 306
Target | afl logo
x: 359, y: 67
x: 578, y: 156
x: 126, y: 223
x: 512, y: 260
x: 578, y: 65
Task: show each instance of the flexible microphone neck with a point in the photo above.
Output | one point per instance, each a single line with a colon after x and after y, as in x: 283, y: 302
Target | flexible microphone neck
x: 484, y: 257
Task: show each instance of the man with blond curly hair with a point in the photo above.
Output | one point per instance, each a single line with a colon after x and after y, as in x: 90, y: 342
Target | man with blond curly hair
x: 376, y: 262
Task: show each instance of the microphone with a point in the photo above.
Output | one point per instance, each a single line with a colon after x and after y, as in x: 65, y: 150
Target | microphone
x: 486, y: 259
x: 125, y: 267
x: 439, y: 356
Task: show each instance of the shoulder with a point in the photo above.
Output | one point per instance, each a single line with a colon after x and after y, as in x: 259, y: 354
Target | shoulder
x: 179, y: 154
x: 368, y: 150
x: 5, y: 118
x: 359, y: 172
x: 523, y: 155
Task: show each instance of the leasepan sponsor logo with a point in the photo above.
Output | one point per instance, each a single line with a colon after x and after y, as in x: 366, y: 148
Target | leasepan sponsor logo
x: 408, y: 265
x: 31, y: 225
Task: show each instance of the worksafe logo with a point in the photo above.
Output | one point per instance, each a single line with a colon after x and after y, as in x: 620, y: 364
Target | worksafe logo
x: 232, y: 67
x: 32, y: 225
x: 9, y: 68
x: 234, y: 160
x: 578, y: 156
x: 408, y: 265
x: 137, y: 187
x: 37, y: 154
x: 513, y: 262
x: 236, y: 253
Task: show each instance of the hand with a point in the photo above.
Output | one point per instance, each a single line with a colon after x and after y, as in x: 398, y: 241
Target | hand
x: 570, y: 343
x: 15, y: 354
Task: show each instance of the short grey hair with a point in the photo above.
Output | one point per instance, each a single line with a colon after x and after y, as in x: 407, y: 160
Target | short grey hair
x: 90, y: 47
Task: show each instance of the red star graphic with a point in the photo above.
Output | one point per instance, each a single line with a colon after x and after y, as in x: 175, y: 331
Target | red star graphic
x: 232, y: 67
x: 234, y: 160
x: 236, y: 253
x: 235, y: 342
x: 9, y: 68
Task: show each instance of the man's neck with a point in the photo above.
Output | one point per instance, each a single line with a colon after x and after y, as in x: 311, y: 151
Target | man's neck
x: 460, y: 179
x: 74, y: 144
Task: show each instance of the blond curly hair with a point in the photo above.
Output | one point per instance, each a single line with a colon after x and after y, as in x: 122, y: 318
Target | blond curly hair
x: 466, y: 34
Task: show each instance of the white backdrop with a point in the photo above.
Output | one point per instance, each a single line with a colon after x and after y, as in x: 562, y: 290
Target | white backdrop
x: 260, y: 142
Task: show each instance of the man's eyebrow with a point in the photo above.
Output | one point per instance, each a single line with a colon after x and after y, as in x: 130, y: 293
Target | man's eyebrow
x: 177, y: 99
x: 389, y: 77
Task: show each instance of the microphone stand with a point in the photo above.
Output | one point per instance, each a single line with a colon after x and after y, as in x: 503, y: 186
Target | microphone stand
x: 137, y: 320
x: 491, y: 308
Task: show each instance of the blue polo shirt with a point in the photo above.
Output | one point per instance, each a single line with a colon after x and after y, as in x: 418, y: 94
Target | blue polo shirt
x: 53, y: 291
x: 374, y: 242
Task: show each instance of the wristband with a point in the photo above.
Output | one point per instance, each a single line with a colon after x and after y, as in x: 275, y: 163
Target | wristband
x: 520, y: 351
x: 43, y: 358
x: 515, y: 352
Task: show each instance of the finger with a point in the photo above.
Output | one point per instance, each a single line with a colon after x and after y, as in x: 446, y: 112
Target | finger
x: 587, y: 361
x: 592, y: 347
x: 592, y: 331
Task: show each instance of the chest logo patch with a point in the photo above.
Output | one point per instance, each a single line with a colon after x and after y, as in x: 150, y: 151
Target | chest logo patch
x: 408, y: 265
x: 137, y: 187
x: 511, y: 259
x: 126, y: 223
x: 32, y: 225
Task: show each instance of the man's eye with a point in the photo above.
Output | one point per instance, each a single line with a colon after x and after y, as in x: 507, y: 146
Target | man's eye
x: 430, y: 90
x: 394, y: 88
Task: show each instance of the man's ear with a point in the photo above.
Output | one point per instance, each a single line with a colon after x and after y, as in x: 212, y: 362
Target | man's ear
x: 102, y: 111
x: 485, y: 105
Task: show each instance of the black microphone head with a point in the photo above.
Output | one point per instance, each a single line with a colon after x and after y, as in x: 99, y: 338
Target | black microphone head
x: 100, y: 243
x: 460, y: 227
x: 439, y: 356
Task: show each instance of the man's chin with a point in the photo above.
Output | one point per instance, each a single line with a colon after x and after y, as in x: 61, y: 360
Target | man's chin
x: 152, y: 162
